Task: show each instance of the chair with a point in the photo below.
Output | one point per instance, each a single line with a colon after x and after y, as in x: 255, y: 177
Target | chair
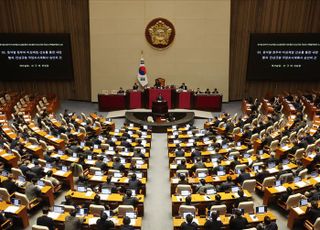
x: 299, y: 154
x: 96, y: 209
x: 234, y: 153
x: 92, y: 170
x: 303, y: 173
x: 5, y: 196
x: 16, y: 173
x: 64, y: 137
x: 202, y: 170
x: 186, y: 209
x: 49, y: 183
x: 274, y: 145
x: 309, y: 226
x: 293, y: 136
x: 39, y: 227
x: 17, y: 154
x: 68, y: 208
x: 284, y: 140
x: 183, y: 187
x: 45, y: 146
x: 111, y: 172
x: 236, y: 131
x: 249, y: 185
x: 222, y: 208
x: 267, y: 182
x: 82, y: 130
x: 287, y: 177
x: 162, y: 81
x: 33, y: 140
x: 183, y: 171
x: 104, y: 146
x: 30, y: 204
x: 293, y: 201
x: 248, y: 206
x: 240, y: 167
x: 310, y: 148
x: 254, y: 137
x: 123, y: 209
x: 42, y: 162
x: 221, y: 125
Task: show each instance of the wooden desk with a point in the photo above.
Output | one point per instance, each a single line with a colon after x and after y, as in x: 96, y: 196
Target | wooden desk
x: 225, y: 219
x: 9, y: 158
x: 272, y: 192
x: 202, y: 201
x: 21, y: 213
x: 114, y: 199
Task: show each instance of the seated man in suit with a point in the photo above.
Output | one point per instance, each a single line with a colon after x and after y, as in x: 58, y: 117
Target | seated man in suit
x: 32, y: 191
x: 238, y: 222
x: 313, y: 212
x: 182, y: 165
x: 126, y: 224
x: 215, y: 91
x: 202, y: 188
x: 183, y: 86
x: 103, y: 223
x: 100, y: 164
x: 134, y: 183
x: 37, y: 169
x: 157, y: 83
x: 129, y: 200
x: 44, y: 220
x: 263, y: 174
x: 135, y: 86
x: 213, y: 223
x: 9, y: 185
x: 120, y: 91
x: 179, y: 152
x: 226, y: 186
x: 118, y: 165
x: 240, y: 199
x: 207, y: 91
x: 110, y: 185
x: 189, y: 224
x: 53, y: 180
x: 72, y: 222
x: 284, y: 197
x: 243, y: 176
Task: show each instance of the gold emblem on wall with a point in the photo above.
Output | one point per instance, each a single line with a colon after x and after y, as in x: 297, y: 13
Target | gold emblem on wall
x: 160, y: 33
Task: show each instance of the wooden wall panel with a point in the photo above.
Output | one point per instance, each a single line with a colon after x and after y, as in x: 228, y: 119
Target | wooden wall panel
x: 52, y: 16
x: 267, y: 16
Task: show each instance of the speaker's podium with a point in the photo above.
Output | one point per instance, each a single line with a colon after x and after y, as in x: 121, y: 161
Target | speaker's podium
x: 160, y: 108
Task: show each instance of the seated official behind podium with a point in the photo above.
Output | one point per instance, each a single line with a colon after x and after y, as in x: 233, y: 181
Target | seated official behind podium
x: 207, y: 91
x: 135, y: 86
x: 120, y: 91
x: 198, y: 91
x: 215, y: 91
x: 183, y: 86
x: 160, y: 98
x: 157, y: 84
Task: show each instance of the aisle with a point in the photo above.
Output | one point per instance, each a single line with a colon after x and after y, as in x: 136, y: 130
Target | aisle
x: 157, y: 205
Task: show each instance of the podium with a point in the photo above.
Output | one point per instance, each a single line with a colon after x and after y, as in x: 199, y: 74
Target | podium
x: 160, y: 108
x: 183, y: 99
x: 153, y: 93
x: 111, y: 102
x: 207, y: 102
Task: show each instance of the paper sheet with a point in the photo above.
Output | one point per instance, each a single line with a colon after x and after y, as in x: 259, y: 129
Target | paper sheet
x: 54, y: 215
x: 12, y: 209
x: 93, y: 220
x: 280, y: 189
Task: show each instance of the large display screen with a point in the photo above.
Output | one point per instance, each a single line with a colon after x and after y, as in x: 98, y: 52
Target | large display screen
x: 35, y: 57
x: 284, y: 57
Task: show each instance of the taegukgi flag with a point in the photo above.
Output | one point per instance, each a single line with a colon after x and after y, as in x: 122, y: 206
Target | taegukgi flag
x: 142, y: 73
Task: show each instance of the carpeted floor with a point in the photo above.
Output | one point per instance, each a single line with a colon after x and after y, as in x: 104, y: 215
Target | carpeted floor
x: 158, y: 200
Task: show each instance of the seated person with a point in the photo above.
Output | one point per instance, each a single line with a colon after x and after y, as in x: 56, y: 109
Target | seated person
x: 118, y: 165
x: 182, y: 166
x: 207, y: 91
x: 44, y: 220
x: 202, y: 188
x: 243, y: 176
x: 9, y: 185
x: 199, y: 164
x: 226, y: 186
x: 198, y: 91
x: 157, y: 84
x: 179, y: 152
x: 134, y: 183
x: 284, y: 197
x: 32, y: 191
x: 196, y: 153
x: 68, y: 201
x: 183, y: 86
x: 183, y: 179
x: 126, y: 224
x: 120, y: 91
x: 100, y: 164
x: 213, y: 223
x: 313, y: 212
x: 72, y: 222
x: 135, y: 86
x: 53, y: 180
x: 189, y: 224
x: 103, y: 223
x: 108, y: 184
x: 240, y: 199
x: 268, y: 224
x: 129, y: 200
x: 37, y: 169
x: 263, y: 174
x: 238, y: 222
x: 215, y: 91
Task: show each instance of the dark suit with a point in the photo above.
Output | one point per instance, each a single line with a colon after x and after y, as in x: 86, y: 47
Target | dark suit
x: 10, y: 186
x: 46, y: 221
x: 127, y: 227
x: 104, y: 225
x: 186, y: 226
x: 213, y: 225
x: 242, y: 177
x: 260, y: 176
x: 313, y: 214
x: 72, y: 223
x: 238, y: 223
x: 130, y: 201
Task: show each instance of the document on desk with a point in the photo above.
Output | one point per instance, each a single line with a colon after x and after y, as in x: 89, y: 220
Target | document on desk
x: 54, y: 215
x: 104, y: 196
x: 317, y: 179
x: 97, y: 178
x: 175, y: 180
x: 73, y: 159
x: 286, y: 167
x: 285, y: 148
x: 298, y: 210
x: 273, y: 170
x: 90, y: 162
x: 280, y: 189
x: 114, y: 220
x: 89, y: 193
x: 59, y: 173
x: 12, y: 209
x: 253, y: 217
x: 301, y: 184
x: 93, y: 220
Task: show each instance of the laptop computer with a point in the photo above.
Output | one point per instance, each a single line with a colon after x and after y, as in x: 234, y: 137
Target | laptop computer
x: 58, y: 209
x: 261, y: 209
